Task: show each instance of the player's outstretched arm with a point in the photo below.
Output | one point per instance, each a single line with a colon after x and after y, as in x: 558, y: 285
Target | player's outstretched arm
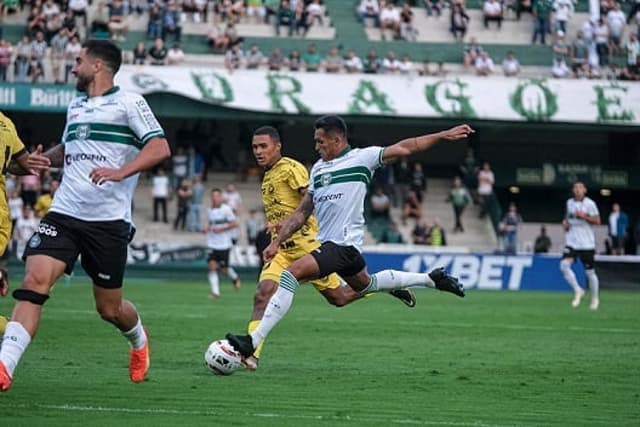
x: 410, y: 146
x: 36, y: 162
x: 154, y: 151
x: 290, y: 225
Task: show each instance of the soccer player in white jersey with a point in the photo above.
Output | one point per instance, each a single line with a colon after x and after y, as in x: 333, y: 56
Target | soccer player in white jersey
x: 582, y: 213
x: 222, y: 221
x: 337, y: 189
x: 110, y: 136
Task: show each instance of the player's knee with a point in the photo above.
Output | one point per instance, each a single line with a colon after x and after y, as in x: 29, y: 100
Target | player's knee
x: 108, y: 312
x: 36, y: 282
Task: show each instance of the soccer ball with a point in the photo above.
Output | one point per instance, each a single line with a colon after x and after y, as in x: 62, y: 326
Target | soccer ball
x: 221, y: 358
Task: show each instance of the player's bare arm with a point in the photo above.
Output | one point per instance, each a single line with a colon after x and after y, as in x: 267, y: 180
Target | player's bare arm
x: 154, y: 152
x: 290, y: 225
x: 222, y: 228
x: 33, y: 163
x: 410, y: 146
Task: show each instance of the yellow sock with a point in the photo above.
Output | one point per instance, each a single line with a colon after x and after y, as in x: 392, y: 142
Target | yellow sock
x: 253, y: 325
x: 3, y: 324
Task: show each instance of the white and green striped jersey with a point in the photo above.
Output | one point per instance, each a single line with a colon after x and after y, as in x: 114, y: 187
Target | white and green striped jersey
x: 222, y: 215
x: 102, y: 131
x: 338, y: 188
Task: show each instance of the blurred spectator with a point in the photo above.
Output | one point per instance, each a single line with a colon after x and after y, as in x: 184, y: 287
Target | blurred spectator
x: 36, y: 21
x: 171, y: 23
x: 420, y: 233
x: 484, y: 65
x: 391, y: 234
x: 195, y: 205
x: 256, y: 8
x: 437, y: 236
x: 632, y: 48
x: 140, y: 54
x: 618, y: 226
x: 56, y: 53
x: 333, y: 61
x: 154, y: 26
x: 563, y: 10
x: 294, y: 62
x: 434, y: 7
x: 510, y: 65
x: 180, y: 166
x: 560, y: 48
x: 302, y: 22
x: 411, y: 207
x: 390, y: 64
x: 353, y: 64
x: 71, y: 51
x: 232, y: 197
x: 380, y: 204
x: 369, y: 9
x: 15, y: 204
x: 285, y: 16
x: 523, y: 6
x: 408, y: 30
x: 50, y: 9
x: 311, y: 58
x: 158, y: 52
x: 405, y: 66
x: 542, y: 243
x: 402, y: 181
x: 601, y: 36
x: 160, y: 194
x: 43, y: 203
x: 616, y: 22
x: 425, y: 69
x: 69, y: 23
x: 254, y: 57
x: 38, y: 53
x: 270, y: 8
x: 195, y: 160
x: 233, y: 58
x: 254, y: 224
x: 30, y: 185
x: 440, y: 71
x: 26, y: 225
x: 418, y: 180
x: 472, y: 51
x: 579, y: 54
x: 542, y: 11
x: 117, y: 21
x: 486, y: 179
x: 459, y: 198
x: 5, y: 58
x: 314, y: 12
x: 469, y: 169
x: 183, y: 199
x: 559, y: 69
x: 390, y: 20
x: 459, y: 21
x: 276, y: 60
x: 509, y: 227
x: 175, y: 55
x: 99, y: 18
x: 492, y: 11
x: 372, y: 63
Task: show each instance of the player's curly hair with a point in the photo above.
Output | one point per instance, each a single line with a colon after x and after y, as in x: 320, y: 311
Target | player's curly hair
x: 105, y: 50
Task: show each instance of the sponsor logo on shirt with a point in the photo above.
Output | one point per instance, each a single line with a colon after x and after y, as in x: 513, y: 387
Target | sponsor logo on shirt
x: 77, y: 157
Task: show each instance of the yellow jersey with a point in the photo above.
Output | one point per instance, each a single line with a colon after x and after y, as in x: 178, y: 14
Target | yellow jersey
x: 10, y: 146
x: 281, y: 196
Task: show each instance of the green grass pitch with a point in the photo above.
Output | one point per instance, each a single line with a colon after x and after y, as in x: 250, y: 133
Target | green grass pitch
x: 491, y: 359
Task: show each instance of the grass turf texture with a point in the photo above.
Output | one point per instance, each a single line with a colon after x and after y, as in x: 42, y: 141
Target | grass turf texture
x: 492, y: 359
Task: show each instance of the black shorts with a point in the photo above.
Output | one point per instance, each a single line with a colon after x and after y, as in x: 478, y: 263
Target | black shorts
x: 344, y: 260
x: 586, y: 256
x: 617, y: 242
x: 221, y: 256
x: 102, y: 246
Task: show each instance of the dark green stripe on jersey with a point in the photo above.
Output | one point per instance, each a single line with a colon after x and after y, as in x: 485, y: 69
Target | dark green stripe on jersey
x: 103, y: 132
x: 353, y: 174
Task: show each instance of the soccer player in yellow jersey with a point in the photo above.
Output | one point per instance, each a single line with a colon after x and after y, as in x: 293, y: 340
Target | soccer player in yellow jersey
x: 283, y: 187
x: 11, y: 148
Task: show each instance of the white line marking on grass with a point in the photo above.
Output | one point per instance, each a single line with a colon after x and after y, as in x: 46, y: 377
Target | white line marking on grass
x: 170, y: 411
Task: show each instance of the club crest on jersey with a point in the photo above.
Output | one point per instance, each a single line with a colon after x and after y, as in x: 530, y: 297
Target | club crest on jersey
x: 82, y: 132
x: 325, y: 179
x: 35, y: 241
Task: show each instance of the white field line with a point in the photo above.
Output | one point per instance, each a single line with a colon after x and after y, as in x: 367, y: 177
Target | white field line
x: 301, y: 416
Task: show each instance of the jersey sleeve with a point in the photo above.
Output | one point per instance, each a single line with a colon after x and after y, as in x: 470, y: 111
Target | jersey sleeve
x: 311, y: 187
x: 142, y: 121
x: 371, y: 157
x: 298, y: 177
x: 231, y: 217
x: 592, y: 209
x: 14, y: 143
